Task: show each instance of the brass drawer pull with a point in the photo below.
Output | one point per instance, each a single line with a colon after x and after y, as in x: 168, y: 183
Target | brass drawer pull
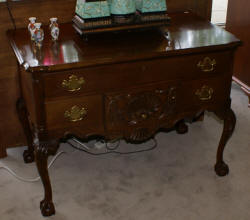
x: 207, y: 65
x: 205, y: 93
x: 73, y: 83
x: 75, y: 114
x: 144, y: 116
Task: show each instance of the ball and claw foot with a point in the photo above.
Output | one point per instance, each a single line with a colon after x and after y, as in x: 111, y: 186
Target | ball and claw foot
x: 47, y: 208
x: 28, y: 156
x: 181, y: 128
x: 221, y: 169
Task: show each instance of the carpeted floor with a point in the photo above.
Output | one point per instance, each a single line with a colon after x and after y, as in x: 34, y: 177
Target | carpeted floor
x: 176, y: 181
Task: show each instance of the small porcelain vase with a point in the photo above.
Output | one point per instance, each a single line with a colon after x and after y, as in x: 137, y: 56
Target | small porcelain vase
x: 54, y: 29
x: 31, y: 27
x: 38, y: 34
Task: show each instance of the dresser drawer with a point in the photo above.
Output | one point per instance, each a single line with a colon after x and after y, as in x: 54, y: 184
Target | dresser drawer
x: 82, y: 111
x: 205, y: 93
x: 137, y: 113
x: 117, y: 76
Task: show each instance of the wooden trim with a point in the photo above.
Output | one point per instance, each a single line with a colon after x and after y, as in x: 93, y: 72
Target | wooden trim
x: 202, y: 8
x: 244, y: 87
x: 22, y: 2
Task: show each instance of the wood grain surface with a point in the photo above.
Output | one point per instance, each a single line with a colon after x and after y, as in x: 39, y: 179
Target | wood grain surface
x: 11, y: 133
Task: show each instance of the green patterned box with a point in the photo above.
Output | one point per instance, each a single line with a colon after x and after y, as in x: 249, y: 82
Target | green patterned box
x: 151, y: 6
x: 122, y: 7
x: 92, y: 9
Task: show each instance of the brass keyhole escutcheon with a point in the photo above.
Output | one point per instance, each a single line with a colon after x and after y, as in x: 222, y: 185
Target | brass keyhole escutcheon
x: 207, y: 65
x: 205, y: 93
x: 75, y: 114
x: 73, y: 83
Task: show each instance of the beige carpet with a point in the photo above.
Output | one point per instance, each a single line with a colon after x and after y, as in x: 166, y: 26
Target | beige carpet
x: 176, y: 181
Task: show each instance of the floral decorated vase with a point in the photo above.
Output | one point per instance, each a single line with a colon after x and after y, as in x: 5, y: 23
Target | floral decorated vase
x: 54, y: 29
x: 31, y: 26
x: 38, y: 34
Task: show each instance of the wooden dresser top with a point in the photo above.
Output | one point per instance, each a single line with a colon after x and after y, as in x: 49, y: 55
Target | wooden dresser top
x: 187, y: 34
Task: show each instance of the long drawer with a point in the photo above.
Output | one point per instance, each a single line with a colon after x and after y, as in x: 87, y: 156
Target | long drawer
x: 117, y: 76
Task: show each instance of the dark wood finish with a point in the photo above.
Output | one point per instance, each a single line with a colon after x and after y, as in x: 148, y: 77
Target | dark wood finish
x: 202, y: 8
x: 55, y: 112
x: 181, y: 127
x: 12, y: 135
x: 136, y: 114
x: 125, y: 85
x: 53, y: 82
x: 238, y: 22
x: 221, y: 168
x: 42, y: 151
x: 28, y: 155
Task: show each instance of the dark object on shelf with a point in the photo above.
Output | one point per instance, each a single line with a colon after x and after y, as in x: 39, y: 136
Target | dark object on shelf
x: 138, y: 21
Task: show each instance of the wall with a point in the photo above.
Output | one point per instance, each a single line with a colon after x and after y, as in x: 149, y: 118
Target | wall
x: 11, y: 133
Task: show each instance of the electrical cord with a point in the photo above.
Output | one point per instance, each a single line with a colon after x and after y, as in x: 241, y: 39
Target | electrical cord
x: 84, y: 148
x: 10, y: 14
x: 111, y: 150
x: 36, y: 178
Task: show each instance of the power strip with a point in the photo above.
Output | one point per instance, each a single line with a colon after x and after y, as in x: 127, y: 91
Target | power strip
x: 100, y: 144
x: 96, y: 144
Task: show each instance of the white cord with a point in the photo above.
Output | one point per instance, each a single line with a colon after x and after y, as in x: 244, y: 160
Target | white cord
x: 34, y: 179
x: 81, y: 143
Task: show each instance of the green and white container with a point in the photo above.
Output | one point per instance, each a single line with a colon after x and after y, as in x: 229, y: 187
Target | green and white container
x: 151, y: 6
x: 122, y: 7
x: 92, y: 9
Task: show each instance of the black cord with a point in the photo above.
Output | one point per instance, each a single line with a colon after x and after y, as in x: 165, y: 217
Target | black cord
x: 11, y: 15
x: 114, y: 151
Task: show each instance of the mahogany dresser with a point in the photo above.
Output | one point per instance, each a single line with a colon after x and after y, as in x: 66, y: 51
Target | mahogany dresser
x: 122, y: 85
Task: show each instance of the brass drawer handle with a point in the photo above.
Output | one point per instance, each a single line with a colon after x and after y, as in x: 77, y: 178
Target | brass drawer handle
x: 205, y: 93
x: 144, y: 116
x: 207, y: 65
x: 73, y: 83
x: 75, y: 114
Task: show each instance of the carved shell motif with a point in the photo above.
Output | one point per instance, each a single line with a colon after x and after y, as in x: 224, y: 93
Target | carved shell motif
x: 142, y: 107
x: 138, y: 114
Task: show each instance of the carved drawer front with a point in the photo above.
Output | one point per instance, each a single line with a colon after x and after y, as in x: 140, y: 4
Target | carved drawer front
x: 210, y: 93
x: 83, y: 111
x: 117, y: 76
x: 137, y: 114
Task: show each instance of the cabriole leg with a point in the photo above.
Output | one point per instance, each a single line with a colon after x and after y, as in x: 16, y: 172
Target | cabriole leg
x: 28, y: 155
x: 221, y: 168
x: 42, y: 152
x: 181, y: 127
